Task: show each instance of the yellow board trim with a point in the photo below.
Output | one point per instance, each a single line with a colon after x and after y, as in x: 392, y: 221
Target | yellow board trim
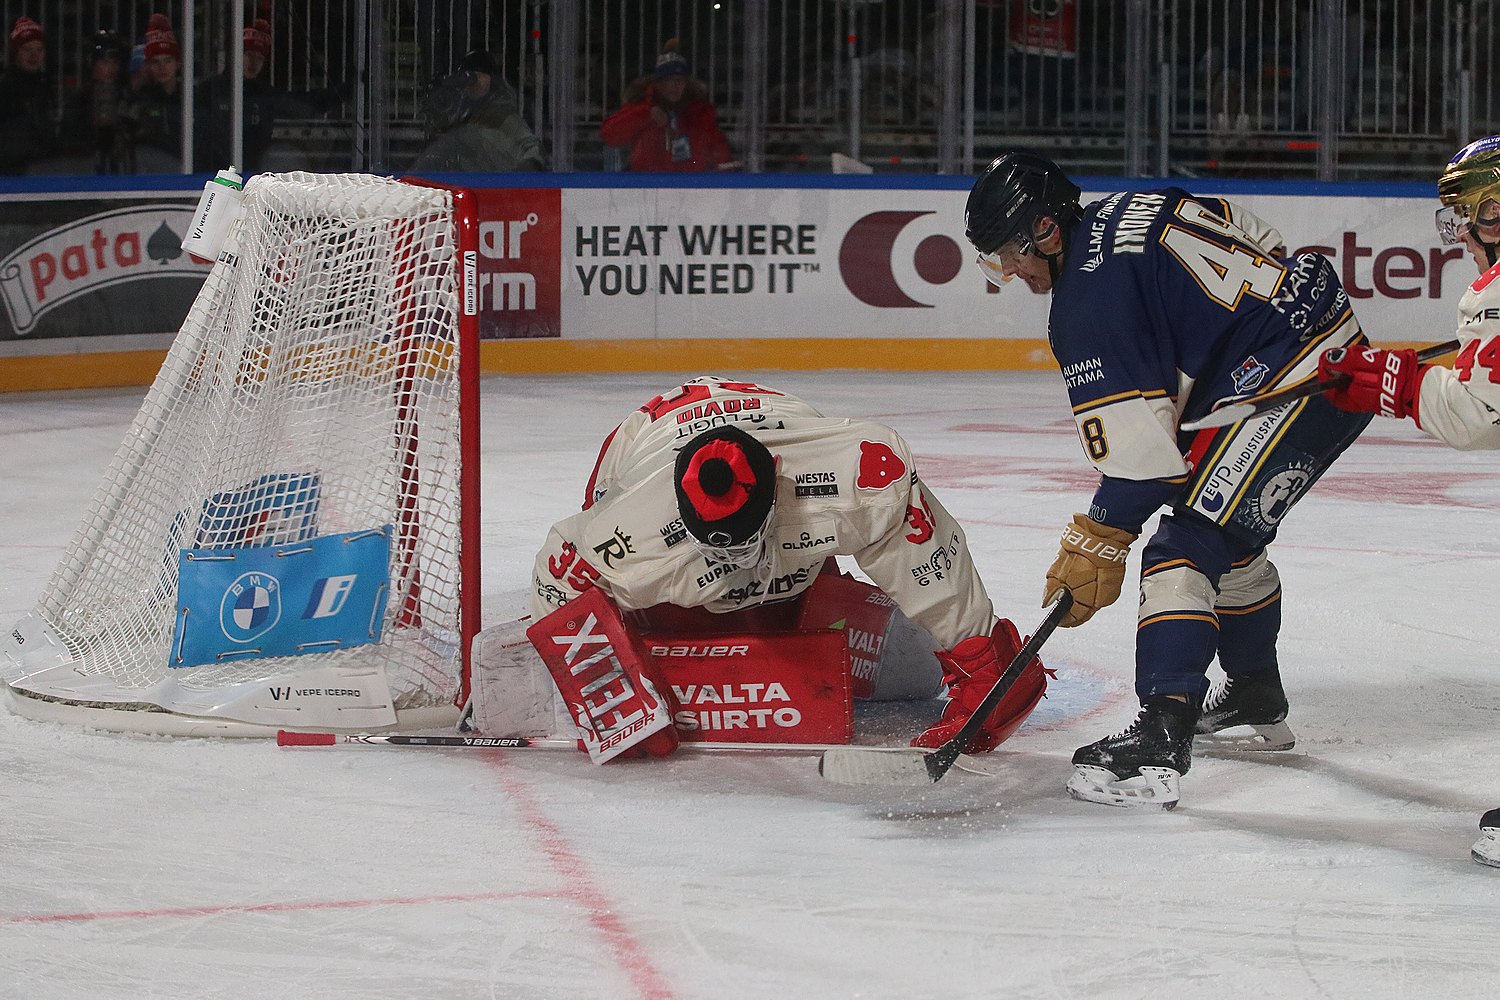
x: 790, y: 353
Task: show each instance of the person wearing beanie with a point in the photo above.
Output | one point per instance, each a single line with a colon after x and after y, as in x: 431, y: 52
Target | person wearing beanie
x: 93, y: 120
x: 667, y: 122
x: 264, y: 104
x: 28, y: 122
x: 721, y: 504
x: 476, y: 121
x: 154, y: 113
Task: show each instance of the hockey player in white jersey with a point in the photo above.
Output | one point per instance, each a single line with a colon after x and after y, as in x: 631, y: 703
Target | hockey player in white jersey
x: 728, y: 496
x: 1461, y: 405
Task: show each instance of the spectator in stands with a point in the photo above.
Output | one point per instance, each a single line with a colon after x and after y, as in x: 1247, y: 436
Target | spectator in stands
x: 1042, y: 36
x: 93, y: 121
x: 215, y: 97
x: 28, y: 127
x: 265, y: 103
x: 154, y: 113
x: 476, y: 118
x: 667, y: 122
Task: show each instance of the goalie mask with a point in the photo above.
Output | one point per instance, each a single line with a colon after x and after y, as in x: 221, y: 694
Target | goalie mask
x: 1006, y: 204
x: 726, y: 488
x: 1469, y: 189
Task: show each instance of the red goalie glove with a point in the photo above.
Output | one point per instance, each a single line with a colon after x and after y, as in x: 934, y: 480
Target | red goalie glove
x: 1369, y: 380
x: 970, y: 670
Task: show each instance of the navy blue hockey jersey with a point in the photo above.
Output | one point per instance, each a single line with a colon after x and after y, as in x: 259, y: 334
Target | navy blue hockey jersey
x: 1164, y: 305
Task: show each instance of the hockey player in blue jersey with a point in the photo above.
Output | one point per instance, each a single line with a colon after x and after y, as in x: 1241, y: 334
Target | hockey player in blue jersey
x: 1162, y: 305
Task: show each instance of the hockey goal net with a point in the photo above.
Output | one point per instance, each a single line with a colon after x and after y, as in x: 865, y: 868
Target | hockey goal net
x: 320, y: 398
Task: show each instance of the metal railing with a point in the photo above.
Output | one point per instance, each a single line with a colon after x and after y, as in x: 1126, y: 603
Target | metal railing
x: 1328, y: 89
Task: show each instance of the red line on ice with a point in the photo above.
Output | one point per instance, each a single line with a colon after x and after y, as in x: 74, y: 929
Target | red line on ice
x: 629, y: 953
x: 322, y: 904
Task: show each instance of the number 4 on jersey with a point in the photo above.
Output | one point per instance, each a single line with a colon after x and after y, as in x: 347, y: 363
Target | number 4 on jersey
x: 1485, y: 354
x: 1224, y: 273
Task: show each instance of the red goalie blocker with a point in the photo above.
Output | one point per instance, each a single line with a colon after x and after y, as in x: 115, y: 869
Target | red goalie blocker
x: 614, y: 691
x: 757, y: 687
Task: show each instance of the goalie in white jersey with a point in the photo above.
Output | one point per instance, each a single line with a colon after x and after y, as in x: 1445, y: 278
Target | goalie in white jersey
x: 1459, y: 406
x: 727, y: 496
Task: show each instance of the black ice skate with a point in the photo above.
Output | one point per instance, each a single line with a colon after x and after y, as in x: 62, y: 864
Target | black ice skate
x: 1246, y: 712
x: 1140, y: 766
x: 1487, y: 848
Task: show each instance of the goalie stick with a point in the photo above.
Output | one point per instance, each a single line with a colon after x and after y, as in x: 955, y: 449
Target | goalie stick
x: 918, y: 765
x: 1237, y: 408
x: 288, y: 738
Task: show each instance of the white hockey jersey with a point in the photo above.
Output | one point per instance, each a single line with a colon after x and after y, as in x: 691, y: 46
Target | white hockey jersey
x: 1461, y: 405
x: 843, y: 487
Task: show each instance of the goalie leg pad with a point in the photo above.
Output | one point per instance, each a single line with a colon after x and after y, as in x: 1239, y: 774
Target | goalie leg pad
x: 1153, y: 786
x: 615, y: 693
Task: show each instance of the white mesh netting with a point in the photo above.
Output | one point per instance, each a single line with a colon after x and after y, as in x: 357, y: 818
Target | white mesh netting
x: 312, y: 389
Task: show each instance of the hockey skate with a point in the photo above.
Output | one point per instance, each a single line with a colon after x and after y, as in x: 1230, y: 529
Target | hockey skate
x: 1486, y: 849
x: 1246, y: 712
x: 1142, y: 765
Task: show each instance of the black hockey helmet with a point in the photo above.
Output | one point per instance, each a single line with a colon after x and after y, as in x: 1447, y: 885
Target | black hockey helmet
x: 726, y: 486
x: 1012, y: 193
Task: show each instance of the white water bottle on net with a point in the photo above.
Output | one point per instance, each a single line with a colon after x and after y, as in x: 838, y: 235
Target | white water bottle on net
x: 287, y: 536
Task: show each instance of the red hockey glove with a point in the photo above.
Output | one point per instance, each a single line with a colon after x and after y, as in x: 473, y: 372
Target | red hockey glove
x: 970, y: 670
x: 1370, y: 380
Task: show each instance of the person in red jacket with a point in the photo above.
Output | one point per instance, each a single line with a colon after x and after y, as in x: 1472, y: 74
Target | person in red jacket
x: 673, y: 126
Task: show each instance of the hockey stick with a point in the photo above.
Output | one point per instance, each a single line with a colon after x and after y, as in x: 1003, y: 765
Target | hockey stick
x: 287, y: 738
x: 1235, y: 409
x: 918, y: 765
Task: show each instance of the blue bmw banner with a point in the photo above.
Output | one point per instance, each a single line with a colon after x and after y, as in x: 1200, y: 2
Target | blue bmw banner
x: 311, y: 597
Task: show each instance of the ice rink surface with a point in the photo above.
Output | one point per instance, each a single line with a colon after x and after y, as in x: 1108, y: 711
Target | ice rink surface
x: 138, y: 867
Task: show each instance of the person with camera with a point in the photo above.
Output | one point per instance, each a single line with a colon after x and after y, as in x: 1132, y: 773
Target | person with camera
x: 478, y: 124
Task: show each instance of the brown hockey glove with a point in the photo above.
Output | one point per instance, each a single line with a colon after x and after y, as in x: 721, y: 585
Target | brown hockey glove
x: 1090, y: 563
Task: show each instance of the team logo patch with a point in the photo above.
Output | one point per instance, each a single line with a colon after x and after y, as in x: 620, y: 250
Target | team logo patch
x: 1249, y: 375
x: 879, y: 466
x: 1279, y: 493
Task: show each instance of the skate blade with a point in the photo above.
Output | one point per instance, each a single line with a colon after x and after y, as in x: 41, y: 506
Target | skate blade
x: 1486, y: 849
x: 1154, y: 786
x: 1247, y: 739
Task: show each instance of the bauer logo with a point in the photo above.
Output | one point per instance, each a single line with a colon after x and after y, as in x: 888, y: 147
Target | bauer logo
x: 519, y: 280
x: 90, y: 254
x: 886, y: 266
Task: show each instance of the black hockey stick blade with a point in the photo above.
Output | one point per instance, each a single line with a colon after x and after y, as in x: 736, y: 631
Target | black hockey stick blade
x: 907, y: 765
x: 1233, y: 410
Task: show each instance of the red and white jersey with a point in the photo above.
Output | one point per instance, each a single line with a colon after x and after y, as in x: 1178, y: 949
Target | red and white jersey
x: 843, y: 487
x: 1461, y: 405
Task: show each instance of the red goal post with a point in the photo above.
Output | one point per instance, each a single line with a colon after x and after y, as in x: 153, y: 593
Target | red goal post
x: 324, y: 384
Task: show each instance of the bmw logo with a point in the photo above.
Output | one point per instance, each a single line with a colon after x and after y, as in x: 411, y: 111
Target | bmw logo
x: 251, y: 607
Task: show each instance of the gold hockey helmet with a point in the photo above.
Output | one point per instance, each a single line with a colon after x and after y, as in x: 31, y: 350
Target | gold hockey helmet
x: 1469, y: 180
